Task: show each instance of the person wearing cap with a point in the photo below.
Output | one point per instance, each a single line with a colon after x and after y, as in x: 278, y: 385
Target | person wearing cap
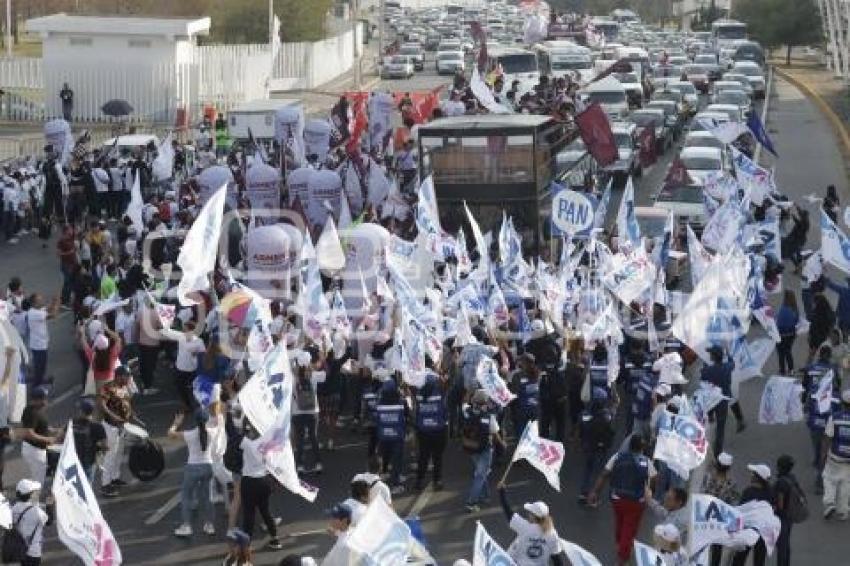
x: 480, y: 430
x: 758, y: 490
x: 673, y: 509
x: 341, y: 522
x: 668, y: 542
x: 526, y: 385
x: 629, y: 473
x: 102, y: 354
x: 537, y: 542
x: 239, y: 551
x: 360, y: 490
x: 431, y: 429
x: 29, y: 519
x: 784, y: 489
x: 836, y: 457
x: 37, y: 434
x: 89, y: 437
x: 719, y: 483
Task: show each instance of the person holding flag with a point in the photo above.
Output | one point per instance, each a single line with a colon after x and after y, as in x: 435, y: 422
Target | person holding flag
x: 821, y: 392
x: 537, y: 542
x: 836, y: 460
x: 479, y: 433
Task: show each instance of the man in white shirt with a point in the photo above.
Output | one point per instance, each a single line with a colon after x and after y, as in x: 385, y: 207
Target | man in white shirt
x: 36, y: 319
x: 29, y: 519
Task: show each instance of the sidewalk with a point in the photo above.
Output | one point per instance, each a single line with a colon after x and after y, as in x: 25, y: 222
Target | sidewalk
x: 830, y: 94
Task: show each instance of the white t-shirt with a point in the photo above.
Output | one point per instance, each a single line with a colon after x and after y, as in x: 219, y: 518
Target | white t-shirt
x: 532, y: 547
x: 196, y: 455
x: 101, y: 180
x: 31, y: 525
x: 125, y: 324
x: 188, y: 348
x: 37, y: 321
x: 252, y: 462
x: 357, y: 510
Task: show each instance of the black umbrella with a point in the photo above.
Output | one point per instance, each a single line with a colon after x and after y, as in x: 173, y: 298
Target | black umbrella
x: 117, y: 108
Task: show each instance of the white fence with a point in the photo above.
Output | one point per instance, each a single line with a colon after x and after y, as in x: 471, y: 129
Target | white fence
x: 218, y: 75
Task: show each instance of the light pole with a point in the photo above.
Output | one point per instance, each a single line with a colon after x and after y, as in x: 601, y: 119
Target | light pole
x: 355, y: 55
x: 8, y: 28
x: 271, y: 23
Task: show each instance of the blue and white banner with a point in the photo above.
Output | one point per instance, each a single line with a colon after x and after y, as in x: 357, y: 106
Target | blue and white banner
x: 756, y: 181
x: 781, y: 401
x: 681, y: 443
x: 713, y: 522
x: 577, y: 555
x: 630, y: 276
x: 381, y: 537
x: 727, y: 132
x: 487, y: 552
x: 835, y: 246
x: 647, y: 556
x: 602, y: 207
x: 723, y: 229
x: 313, y: 304
x: 628, y: 230
x: 749, y: 357
x: 79, y: 522
x: 265, y: 394
x: 573, y: 212
x: 546, y: 456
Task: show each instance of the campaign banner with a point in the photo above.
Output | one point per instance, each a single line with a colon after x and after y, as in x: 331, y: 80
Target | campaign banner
x: 263, y: 395
x: 781, y: 401
x: 79, y: 522
x: 262, y: 188
x: 835, y: 246
x: 211, y: 179
x: 489, y: 379
x: 323, y: 187
x: 198, y: 255
x: 767, y: 232
x: 380, y: 536
x: 630, y: 276
x: 712, y: 522
x: 317, y: 139
x: 573, y: 213
x: 298, y: 182
x: 723, y: 229
x: 486, y: 551
x: 647, y: 556
x: 681, y: 443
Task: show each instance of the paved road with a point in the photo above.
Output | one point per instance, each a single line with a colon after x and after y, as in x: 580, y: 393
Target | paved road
x: 145, y: 515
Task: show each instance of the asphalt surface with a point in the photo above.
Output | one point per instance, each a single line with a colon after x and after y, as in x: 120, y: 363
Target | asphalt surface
x: 144, y: 516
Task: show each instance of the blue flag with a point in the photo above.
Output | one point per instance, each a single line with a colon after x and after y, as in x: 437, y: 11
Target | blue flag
x: 757, y: 128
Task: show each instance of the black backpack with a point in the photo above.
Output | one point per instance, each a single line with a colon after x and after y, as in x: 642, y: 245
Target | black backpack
x: 472, y: 437
x: 15, y: 546
x: 797, y: 505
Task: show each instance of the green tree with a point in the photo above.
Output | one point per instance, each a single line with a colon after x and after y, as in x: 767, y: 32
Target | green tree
x: 781, y: 22
x: 247, y: 21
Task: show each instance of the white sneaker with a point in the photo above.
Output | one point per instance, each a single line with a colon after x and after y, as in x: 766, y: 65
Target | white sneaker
x: 209, y: 529
x: 183, y: 531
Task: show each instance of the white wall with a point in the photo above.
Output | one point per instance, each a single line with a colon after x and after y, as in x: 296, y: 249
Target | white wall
x: 309, y: 65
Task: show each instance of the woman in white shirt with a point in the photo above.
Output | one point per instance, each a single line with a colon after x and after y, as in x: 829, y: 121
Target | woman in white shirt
x: 198, y: 470
x: 255, y: 488
x: 189, y: 345
x: 305, y: 410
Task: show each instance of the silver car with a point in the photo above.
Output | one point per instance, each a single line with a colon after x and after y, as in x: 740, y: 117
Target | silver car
x: 397, y: 67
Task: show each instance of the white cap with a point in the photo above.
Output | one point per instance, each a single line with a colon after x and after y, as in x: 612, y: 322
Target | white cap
x: 724, y: 459
x: 663, y: 389
x: 101, y: 342
x: 461, y: 562
x: 538, y: 509
x: 26, y: 486
x: 761, y: 470
x: 667, y: 532
x: 845, y: 395
x: 303, y: 358
x: 537, y: 325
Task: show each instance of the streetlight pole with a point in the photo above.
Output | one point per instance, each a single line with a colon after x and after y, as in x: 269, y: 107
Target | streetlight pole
x: 354, y: 44
x: 271, y: 23
x: 8, y: 28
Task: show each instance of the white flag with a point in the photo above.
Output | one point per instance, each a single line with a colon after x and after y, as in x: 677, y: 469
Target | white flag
x: 699, y: 257
x: 163, y: 166
x: 545, y: 455
x: 823, y: 396
x: 727, y: 132
x: 313, y: 304
x: 628, y: 231
x: 487, y: 551
x: 79, y: 523
x: 134, y: 209
x: 724, y: 227
x: 647, y: 556
x: 329, y: 251
x: 263, y: 395
x: 489, y: 379
x: 681, y: 443
x: 484, y: 95
x: 381, y: 537
x: 630, y: 276
x: 200, y: 248
x: 781, y: 402
x: 577, y: 555
x: 714, y: 522
x: 835, y: 246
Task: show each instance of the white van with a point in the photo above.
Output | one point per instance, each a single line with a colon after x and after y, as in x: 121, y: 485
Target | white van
x: 517, y: 65
x: 610, y: 94
x: 559, y: 58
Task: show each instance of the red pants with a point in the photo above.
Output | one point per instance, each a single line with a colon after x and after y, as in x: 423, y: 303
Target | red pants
x: 627, y: 515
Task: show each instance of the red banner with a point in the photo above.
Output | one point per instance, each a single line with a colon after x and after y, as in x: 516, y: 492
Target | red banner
x: 677, y: 175
x: 596, y: 132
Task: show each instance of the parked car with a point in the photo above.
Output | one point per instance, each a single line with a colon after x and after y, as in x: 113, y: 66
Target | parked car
x: 448, y: 62
x: 397, y: 67
x: 733, y: 96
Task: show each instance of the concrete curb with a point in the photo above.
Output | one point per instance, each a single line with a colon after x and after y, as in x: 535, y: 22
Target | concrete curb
x: 835, y: 121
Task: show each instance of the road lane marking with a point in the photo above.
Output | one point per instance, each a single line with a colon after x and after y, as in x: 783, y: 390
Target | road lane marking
x: 160, y: 513
x: 421, y: 502
x: 75, y: 390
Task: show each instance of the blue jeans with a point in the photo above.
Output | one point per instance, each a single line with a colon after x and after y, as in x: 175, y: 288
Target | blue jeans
x: 593, y: 464
x: 39, y: 367
x: 816, y: 435
x: 196, y: 481
x: 67, y: 284
x: 479, y: 490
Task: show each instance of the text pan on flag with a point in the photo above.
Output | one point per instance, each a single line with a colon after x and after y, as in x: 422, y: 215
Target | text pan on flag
x: 545, y: 455
x: 572, y: 212
x: 596, y: 133
x: 79, y: 522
